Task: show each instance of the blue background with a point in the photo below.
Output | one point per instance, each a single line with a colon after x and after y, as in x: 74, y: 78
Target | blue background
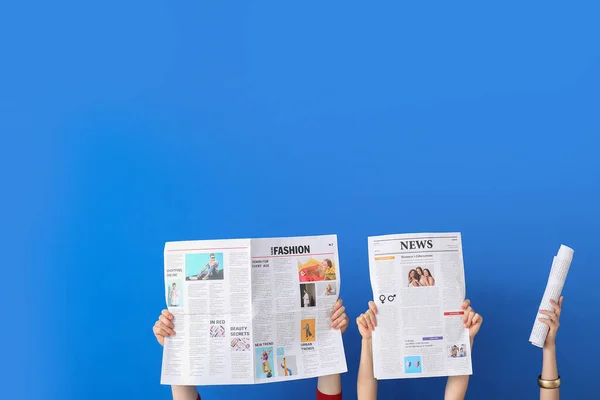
x: 128, y: 124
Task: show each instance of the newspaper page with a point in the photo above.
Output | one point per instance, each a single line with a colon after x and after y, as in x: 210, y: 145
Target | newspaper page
x: 558, y: 274
x: 295, y: 284
x: 252, y: 311
x: 208, y: 290
x: 419, y: 285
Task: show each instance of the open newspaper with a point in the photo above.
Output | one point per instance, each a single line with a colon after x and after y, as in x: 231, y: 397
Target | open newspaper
x: 419, y: 286
x: 558, y: 274
x: 252, y: 310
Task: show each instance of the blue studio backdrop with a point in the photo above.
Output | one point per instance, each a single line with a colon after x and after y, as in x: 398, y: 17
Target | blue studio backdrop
x: 128, y: 124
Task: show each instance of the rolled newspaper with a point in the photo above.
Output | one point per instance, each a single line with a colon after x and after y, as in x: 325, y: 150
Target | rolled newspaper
x: 554, y: 286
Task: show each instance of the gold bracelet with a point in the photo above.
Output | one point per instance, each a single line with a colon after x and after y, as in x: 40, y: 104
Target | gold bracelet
x: 548, y: 384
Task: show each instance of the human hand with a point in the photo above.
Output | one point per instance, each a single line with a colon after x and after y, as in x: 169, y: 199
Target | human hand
x: 471, y: 319
x: 367, y: 321
x: 553, y: 321
x: 164, y: 327
x: 339, y: 317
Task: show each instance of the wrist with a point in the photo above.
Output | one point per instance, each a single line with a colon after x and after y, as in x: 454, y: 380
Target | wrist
x: 549, y: 348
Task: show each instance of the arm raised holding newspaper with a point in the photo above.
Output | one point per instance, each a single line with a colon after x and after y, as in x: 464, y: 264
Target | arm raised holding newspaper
x: 366, y: 384
x: 549, y: 380
x: 329, y: 387
x: 456, y: 386
x: 162, y: 329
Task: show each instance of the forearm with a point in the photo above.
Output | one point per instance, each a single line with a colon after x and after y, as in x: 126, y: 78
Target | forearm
x: 184, y: 392
x: 330, y: 384
x: 456, y: 386
x: 549, y: 372
x: 367, y: 384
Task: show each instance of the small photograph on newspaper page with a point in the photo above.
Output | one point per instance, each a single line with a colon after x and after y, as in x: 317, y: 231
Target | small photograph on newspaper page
x: 175, y: 298
x: 457, y: 350
x: 413, y: 365
x: 240, y: 344
x: 419, y: 276
x: 308, y: 296
x: 204, y: 267
x: 326, y: 289
x: 308, y: 333
x: 286, y: 366
x: 311, y: 269
x: 264, y: 362
x: 217, y: 331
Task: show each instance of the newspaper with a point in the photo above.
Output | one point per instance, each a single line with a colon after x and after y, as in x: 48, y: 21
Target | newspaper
x: 554, y: 286
x: 252, y: 311
x: 419, y: 286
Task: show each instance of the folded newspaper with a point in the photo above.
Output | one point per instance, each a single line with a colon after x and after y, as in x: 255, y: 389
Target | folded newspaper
x: 252, y: 310
x: 558, y: 274
x: 419, y: 286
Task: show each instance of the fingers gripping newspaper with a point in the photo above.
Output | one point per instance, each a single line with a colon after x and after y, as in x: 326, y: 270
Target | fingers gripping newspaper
x: 252, y: 311
x: 419, y: 286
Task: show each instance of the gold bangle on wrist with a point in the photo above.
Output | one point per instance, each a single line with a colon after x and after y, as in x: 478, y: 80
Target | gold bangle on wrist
x: 548, y: 384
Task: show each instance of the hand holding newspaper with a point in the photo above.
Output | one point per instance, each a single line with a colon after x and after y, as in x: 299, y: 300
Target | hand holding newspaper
x: 252, y: 310
x: 554, y: 286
